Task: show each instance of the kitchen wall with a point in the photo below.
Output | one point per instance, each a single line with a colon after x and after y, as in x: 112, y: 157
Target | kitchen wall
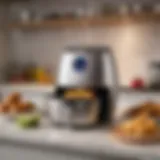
x: 4, y: 48
x: 133, y: 45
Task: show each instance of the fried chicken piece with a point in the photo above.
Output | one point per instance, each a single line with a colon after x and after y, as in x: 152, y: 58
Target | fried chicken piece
x: 139, y: 127
x: 4, y: 108
x: 149, y: 108
x: 14, y: 98
x: 26, y: 106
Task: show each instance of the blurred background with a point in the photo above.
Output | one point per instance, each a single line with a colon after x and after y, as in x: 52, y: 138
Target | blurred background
x: 34, y: 33
x: 33, y: 36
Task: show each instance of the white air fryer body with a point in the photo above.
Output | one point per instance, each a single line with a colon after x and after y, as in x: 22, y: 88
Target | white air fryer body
x: 87, y: 67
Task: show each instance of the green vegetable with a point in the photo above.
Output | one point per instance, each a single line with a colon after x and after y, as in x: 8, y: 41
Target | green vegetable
x: 28, y: 121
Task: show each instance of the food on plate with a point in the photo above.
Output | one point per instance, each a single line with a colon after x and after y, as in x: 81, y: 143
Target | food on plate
x: 27, y: 106
x: 28, y: 121
x: 14, y: 98
x: 14, y: 104
x: 140, y: 126
x: 150, y: 108
x: 4, y: 108
x: 142, y: 129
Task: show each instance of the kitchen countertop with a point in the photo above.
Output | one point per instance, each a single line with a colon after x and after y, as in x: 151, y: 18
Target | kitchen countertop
x: 141, y: 90
x: 90, y: 142
x: 98, y: 141
x: 27, y: 87
x: 49, y: 88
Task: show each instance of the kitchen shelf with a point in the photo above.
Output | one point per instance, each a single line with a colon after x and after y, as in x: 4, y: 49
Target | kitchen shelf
x: 27, y: 87
x: 87, y: 22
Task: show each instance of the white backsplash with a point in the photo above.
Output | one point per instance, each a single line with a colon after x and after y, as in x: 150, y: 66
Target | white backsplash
x: 133, y: 45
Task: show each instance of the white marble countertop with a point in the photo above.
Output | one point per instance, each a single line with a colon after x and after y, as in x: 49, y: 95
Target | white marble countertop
x: 27, y: 87
x: 90, y: 141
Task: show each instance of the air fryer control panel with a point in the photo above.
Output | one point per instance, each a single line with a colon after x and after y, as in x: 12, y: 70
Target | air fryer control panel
x: 80, y: 64
x: 77, y: 70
